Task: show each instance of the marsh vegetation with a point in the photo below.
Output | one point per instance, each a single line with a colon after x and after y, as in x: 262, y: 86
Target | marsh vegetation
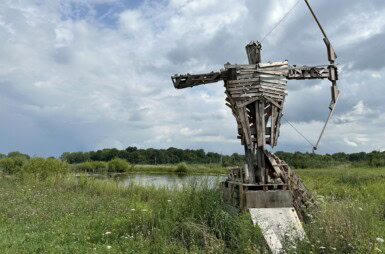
x: 45, y: 208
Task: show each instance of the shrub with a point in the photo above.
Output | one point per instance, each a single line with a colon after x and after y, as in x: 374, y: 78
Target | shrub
x: 181, y: 168
x: 12, y: 165
x: 118, y: 166
x: 8, y: 165
x: 92, y: 167
x: 18, y: 154
x: 42, y: 168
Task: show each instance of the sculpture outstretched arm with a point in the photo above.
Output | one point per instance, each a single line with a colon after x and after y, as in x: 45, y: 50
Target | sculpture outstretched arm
x: 308, y: 72
x: 189, y: 80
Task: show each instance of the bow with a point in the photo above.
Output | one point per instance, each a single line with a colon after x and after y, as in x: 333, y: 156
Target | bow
x: 333, y: 75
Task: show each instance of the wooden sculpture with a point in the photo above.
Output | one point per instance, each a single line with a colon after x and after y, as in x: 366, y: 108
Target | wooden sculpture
x: 256, y: 94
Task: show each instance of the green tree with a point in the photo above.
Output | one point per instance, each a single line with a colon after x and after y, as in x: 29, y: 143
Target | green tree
x: 118, y: 166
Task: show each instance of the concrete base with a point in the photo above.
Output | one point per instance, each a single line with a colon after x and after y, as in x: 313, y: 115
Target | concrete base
x: 245, y: 196
x: 268, y: 199
x: 281, y: 227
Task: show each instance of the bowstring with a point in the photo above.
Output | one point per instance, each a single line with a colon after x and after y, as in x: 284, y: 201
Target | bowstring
x: 275, y: 27
x: 281, y: 20
x: 312, y: 146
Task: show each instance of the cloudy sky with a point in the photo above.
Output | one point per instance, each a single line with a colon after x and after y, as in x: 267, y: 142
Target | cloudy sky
x: 79, y: 75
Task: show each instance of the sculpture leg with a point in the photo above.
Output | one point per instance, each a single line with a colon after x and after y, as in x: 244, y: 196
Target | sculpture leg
x: 250, y: 159
x: 261, y: 141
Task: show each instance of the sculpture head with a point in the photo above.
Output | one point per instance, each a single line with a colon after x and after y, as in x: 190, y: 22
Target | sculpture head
x: 253, y: 50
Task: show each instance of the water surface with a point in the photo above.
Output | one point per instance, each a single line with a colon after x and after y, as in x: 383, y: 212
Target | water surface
x: 166, y: 180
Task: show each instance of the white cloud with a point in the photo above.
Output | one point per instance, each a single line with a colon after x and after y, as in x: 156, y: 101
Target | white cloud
x: 131, y: 21
x: 350, y: 143
x: 68, y: 81
x: 188, y: 132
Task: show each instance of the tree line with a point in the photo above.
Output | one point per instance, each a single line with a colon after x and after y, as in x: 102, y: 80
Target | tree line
x: 135, y: 156
x: 154, y: 156
x: 310, y: 160
x: 174, y: 156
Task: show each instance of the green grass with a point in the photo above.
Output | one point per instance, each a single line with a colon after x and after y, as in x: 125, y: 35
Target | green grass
x: 63, y: 214
x: 351, y: 210
x: 88, y: 215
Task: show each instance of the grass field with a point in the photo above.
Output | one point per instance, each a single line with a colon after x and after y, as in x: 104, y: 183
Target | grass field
x: 63, y: 214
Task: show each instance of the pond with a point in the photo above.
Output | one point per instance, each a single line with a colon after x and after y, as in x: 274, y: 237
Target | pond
x: 166, y: 180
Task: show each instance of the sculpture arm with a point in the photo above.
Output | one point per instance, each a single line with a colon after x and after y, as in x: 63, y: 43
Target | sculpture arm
x: 308, y: 72
x: 189, y: 80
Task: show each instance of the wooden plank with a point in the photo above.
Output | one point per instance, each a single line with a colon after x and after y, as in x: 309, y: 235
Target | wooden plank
x: 261, y: 127
x: 264, y: 65
x: 241, y: 81
x: 241, y: 66
x: 250, y: 95
x: 278, y: 126
x: 280, y: 73
x: 256, y: 81
x: 256, y: 92
x: 274, y: 115
x: 274, y: 103
x: 267, y: 112
x: 243, y: 104
x: 259, y: 115
x: 229, y: 105
x: 280, y: 90
x: 258, y: 86
x: 257, y: 89
x: 244, y: 119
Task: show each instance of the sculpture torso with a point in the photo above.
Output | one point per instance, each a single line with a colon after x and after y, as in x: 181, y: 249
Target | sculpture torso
x: 256, y: 94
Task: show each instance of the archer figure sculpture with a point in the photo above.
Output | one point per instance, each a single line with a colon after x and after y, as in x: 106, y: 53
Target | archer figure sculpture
x: 256, y: 94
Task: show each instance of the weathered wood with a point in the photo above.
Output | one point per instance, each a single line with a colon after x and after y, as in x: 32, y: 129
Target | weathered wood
x: 261, y: 123
x: 250, y: 165
x: 245, y: 126
x: 253, y: 51
x: 280, y: 90
x: 274, y: 115
x: 274, y: 103
x: 255, y: 93
x: 243, y: 104
x: 278, y: 125
x: 268, y: 111
x: 267, y: 65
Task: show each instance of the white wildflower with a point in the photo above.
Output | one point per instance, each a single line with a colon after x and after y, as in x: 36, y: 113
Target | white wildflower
x: 360, y: 208
x: 377, y: 249
x: 132, y: 209
x: 107, y: 233
x: 380, y: 240
x: 333, y: 248
x: 169, y: 200
x: 109, y: 247
x: 322, y: 247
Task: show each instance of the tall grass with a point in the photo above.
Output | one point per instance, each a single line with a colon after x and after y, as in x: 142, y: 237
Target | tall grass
x: 351, y: 210
x: 59, y: 213
x: 90, y: 215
